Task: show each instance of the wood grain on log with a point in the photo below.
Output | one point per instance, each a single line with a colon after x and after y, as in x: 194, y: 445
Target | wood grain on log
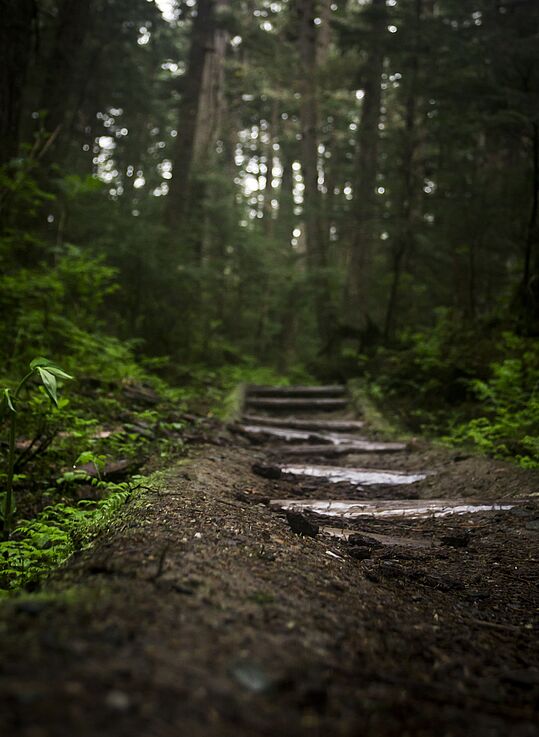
x: 333, y: 390
x: 307, y: 405
x: 299, y: 424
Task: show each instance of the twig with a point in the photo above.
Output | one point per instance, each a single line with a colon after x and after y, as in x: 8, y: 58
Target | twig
x: 160, y: 564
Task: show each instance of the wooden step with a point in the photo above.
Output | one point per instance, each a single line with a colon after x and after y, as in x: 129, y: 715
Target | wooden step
x: 387, y: 509
x: 333, y: 390
x: 305, y: 405
x: 334, y: 451
x: 264, y: 433
x: 300, y: 424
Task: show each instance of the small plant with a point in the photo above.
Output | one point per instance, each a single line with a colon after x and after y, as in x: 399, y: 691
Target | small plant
x: 47, y: 373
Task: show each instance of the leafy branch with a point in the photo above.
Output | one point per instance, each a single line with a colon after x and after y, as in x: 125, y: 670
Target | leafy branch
x: 48, y: 374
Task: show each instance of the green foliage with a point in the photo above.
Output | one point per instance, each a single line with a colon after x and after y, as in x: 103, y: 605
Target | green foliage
x: 509, y: 398
x: 467, y: 384
x: 48, y: 372
x: 41, y: 544
x: 425, y: 378
x: 209, y: 389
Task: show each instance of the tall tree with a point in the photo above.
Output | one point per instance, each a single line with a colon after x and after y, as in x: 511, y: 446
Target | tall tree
x: 359, y: 276
x: 62, y: 79
x: 16, y: 36
x: 309, y: 16
x: 201, y: 105
x: 409, y: 187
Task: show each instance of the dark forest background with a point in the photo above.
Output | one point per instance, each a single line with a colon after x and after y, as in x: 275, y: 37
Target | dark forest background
x: 340, y: 190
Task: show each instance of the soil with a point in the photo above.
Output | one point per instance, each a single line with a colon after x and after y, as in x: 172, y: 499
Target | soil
x: 200, y: 612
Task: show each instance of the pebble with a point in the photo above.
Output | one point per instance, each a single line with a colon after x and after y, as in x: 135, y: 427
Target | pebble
x: 118, y: 700
x: 301, y: 525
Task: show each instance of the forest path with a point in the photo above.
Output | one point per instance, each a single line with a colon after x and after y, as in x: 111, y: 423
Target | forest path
x: 202, y: 613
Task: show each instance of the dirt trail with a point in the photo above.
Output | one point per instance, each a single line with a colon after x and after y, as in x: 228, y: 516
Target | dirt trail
x: 201, y: 613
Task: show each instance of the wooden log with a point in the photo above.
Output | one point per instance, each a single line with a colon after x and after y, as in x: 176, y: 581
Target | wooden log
x: 284, y: 434
x: 299, y: 424
x: 307, y: 405
x: 333, y: 451
x: 332, y: 390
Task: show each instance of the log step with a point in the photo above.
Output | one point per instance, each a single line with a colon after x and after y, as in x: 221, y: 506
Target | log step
x: 332, y: 390
x: 299, y: 424
x: 306, y: 405
x: 334, y: 451
x: 284, y: 434
x: 387, y: 509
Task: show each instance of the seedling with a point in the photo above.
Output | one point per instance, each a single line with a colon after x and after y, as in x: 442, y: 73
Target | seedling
x: 47, y: 373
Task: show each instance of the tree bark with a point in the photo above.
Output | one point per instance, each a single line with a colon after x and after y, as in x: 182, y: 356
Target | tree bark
x: 309, y: 49
x: 16, y: 33
x: 404, y: 237
x: 200, y: 108
x: 359, y: 270
x: 530, y: 277
x: 62, y: 73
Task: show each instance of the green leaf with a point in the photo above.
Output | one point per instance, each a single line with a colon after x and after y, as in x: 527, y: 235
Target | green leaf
x: 49, y: 382
x: 8, y: 400
x: 56, y: 371
x: 42, y: 362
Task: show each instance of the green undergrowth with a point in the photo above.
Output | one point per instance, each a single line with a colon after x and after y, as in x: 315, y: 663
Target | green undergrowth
x: 476, y: 387
x: 43, y: 543
x: 369, y: 410
x: 119, y: 409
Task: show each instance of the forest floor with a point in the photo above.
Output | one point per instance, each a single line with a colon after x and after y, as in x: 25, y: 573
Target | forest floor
x: 201, y: 613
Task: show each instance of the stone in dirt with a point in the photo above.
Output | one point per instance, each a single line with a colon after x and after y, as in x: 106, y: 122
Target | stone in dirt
x: 301, y: 525
x: 360, y: 552
x: 267, y: 472
x: 356, y: 538
x: 456, y: 539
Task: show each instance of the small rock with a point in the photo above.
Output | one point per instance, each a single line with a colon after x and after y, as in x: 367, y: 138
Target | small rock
x: 118, y: 700
x: 456, y: 539
x: 251, y: 676
x: 301, y: 525
x: 267, y: 472
x: 360, y: 552
x: 364, y: 540
x: 475, y: 595
x: 384, y: 570
x: 241, y: 496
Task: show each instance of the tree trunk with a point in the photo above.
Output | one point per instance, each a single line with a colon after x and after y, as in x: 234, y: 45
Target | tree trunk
x: 16, y: 33
x: 62, y: 77
x: 530, y: 277
x: 359, y: 270
x: 309, y: 47
x: 284, y: 224
x: 404, y: 237
x: 200, y: 108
